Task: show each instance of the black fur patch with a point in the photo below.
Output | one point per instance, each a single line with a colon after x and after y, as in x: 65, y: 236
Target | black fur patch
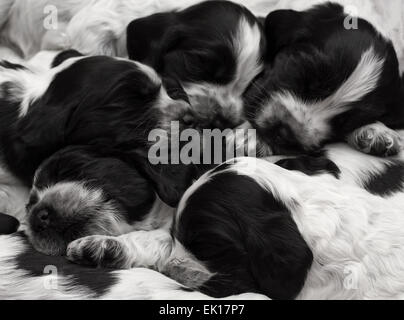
x: 388, y: 182
x: 99, y: 281
x: 241, y: 232
x: 310, y: 165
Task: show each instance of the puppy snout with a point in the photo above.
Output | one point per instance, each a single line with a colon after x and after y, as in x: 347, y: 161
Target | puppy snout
x: 41, y: 219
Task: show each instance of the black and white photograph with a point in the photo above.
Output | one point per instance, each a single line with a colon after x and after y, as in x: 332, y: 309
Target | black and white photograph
x: 186, y: 150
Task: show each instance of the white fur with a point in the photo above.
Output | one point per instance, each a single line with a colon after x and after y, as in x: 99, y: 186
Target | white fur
x: 144, y: 284
x: 247, y: 48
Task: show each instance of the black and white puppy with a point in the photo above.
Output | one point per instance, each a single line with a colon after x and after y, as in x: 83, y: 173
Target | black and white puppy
x: 212, y: 51
x: 327, y: 82
x: 79, y: 191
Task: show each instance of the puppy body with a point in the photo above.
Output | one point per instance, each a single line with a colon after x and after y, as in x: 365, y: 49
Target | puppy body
x: 325, y: 81
x: 337, y: 242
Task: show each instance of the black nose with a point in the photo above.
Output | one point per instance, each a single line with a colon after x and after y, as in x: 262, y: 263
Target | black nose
x: 41, y: 219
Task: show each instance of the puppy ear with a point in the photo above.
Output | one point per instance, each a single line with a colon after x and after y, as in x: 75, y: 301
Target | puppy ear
x: 281, y: 28
x: 145, y: 36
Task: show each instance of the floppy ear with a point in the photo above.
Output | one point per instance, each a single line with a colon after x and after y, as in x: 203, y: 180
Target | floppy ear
x: 282, y: 27
x: 146, y: 35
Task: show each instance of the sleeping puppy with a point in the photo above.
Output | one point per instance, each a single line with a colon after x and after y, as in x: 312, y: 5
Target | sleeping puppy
x: 291, y: 236
x: 79, y: 191
x: 109, y: 103
x: 327, y: 82
x: 209, y: 52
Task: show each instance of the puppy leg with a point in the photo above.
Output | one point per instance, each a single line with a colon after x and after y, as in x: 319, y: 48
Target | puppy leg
x: 376, y: 139
x: 144, y: 249
x: 136, y: 249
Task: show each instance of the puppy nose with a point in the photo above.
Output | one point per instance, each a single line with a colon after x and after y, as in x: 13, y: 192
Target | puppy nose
x: 41, y: 219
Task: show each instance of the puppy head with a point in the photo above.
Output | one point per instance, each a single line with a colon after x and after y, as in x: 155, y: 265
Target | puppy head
x: 214, y: 49
x: 65, y: 212
x: 77, y: 193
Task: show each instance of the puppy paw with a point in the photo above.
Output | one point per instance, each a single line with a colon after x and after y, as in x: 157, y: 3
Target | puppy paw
x: 376, y: 139
x: 99, y: 251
